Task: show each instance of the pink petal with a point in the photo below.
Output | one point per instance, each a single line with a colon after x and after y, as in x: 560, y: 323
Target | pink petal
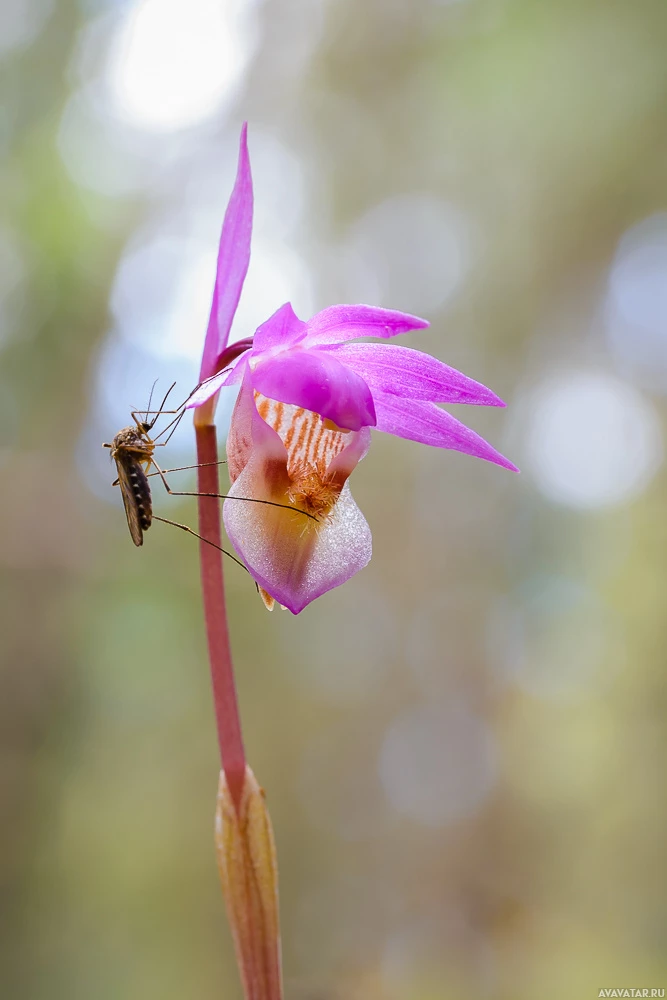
x: 294, y: 564
x: 339, y: 323
x: 311, y: 444
x: 233, y: 260
x: 244, y: 427
x: 317, y: 382
x: 344, y: 463
x: 427, y: 423
x: 208, y: 388
x: 291, y: 557
x: 400, y: 371
x: 282, y: 329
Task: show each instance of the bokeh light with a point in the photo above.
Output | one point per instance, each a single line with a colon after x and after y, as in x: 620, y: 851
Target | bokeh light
x: 437, y: 765
x: 592, y: 440
x: 160, y: 295
x: 416, y: 243
x: 99, y: 154
x: 173, y: 65
x: 636, y: 313
x: 12, y: 280
x: 21, y: 22
x: 556, y: 639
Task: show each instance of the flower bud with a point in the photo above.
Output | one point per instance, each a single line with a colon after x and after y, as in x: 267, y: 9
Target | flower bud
x: 248, y: 869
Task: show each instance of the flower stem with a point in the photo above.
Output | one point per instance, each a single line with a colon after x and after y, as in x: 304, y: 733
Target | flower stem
x: 225, y: 700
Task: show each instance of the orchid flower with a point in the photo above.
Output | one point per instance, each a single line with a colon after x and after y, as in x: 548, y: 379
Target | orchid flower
x: 307, y: 402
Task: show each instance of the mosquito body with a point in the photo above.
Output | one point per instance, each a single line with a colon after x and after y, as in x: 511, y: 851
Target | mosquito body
x: 133, y: 451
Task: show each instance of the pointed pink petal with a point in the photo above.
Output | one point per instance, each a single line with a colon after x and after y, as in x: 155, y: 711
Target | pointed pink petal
x: 233, y: 260
x: 317, y: 382
x: 282, y: 329
x: 427, y: 423
x: 339, y: 323
x: 400, y: 371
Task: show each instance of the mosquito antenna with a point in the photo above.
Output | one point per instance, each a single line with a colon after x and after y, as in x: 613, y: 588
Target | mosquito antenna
x: 160, y: 408
x: 150, y: 398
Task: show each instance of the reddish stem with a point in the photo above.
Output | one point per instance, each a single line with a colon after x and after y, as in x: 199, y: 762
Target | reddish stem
x: 225, y: 699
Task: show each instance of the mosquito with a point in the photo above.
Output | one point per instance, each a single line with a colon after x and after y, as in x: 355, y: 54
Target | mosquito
x: 133, y: 448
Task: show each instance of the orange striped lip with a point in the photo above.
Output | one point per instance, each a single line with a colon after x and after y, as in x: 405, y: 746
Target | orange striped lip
x: 311, y: 446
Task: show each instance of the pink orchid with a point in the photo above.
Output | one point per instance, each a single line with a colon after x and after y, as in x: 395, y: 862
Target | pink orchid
x: 302, y: 420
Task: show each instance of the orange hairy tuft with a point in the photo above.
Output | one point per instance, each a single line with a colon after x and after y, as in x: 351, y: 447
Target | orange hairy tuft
x: 313, y: 490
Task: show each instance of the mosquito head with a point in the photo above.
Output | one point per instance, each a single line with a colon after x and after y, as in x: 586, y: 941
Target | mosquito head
x: 132, y: 441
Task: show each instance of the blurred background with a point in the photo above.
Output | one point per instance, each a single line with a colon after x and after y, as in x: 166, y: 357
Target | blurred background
x: 464, y: 748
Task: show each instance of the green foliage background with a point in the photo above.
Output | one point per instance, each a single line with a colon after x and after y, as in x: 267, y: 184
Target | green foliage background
x: 547, y: 123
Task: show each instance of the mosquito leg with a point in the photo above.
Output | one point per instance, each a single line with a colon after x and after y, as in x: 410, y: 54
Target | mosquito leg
x: 142, y: 424
x: 183, y: 468
x: 226, y: 496
x: 178, y: 408
x: 173, y: 424
x: 204, y: 381
x: 135, y: 414
x: 191, y: 531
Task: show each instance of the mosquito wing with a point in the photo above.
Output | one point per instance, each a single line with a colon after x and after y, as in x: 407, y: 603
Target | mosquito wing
x: 136, y: 495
